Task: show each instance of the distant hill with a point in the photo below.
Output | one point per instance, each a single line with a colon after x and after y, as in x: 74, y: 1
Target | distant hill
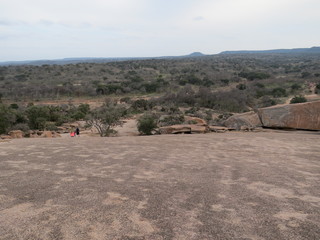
x: 294, y: 50
x: 197, y: 54
x: 92, y: 60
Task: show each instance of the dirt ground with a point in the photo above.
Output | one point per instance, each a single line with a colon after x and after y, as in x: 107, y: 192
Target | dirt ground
x: 239, y: 186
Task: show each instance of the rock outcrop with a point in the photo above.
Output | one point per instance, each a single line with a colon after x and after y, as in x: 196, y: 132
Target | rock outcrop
x: 296, y: 116
x: 196, y: 121
x: 218, y: 129
x: 184, y: 128
x: 16, y: 134
x: 43, y: 134
x: 249, y: 120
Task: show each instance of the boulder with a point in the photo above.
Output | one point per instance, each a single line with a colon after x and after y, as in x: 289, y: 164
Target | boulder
x: 43, y: 134
x: 199, y: 129
x: 16, y: 134
x: 55, y: 134
x: 218, y: 129
x: 196, y: 120
x: 46, y: 134
x: 248, y: 120
x: 304, y: 116
x: 174, y: 129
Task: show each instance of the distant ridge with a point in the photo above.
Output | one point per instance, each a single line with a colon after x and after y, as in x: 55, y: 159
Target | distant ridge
x: 294, y: 50
x: 91, y: 60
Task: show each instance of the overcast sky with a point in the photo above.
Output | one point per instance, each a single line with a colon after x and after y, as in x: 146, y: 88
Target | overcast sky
x: 51, y: 29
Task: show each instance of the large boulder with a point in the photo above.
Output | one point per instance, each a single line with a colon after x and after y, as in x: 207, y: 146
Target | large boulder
x: 248, y: 120
x: 297, y: 116
x: 16, y: 134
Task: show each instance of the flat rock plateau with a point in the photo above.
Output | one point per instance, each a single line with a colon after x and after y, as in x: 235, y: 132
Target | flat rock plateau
x: 243, y: 186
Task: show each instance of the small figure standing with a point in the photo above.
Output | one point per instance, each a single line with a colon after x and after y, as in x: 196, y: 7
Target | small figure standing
x: 78, y: 132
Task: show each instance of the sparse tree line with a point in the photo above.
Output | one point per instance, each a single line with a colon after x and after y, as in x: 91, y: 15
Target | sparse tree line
x: 152, y: 76
x: 38, y: 117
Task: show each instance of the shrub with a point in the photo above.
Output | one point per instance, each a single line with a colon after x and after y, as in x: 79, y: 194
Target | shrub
x: 279, y: 92
x: 14, y: 106
x: 51, y: 127
x: 141, y: 104
x: 241, y: 86
x: 125, y: 100
x: 254, y: 75
x: 298, y: 99
x: 295, y: 86
x: 7, y: 118
x: 172, y: 119
x: 146, y: 124
x: 318, y: 88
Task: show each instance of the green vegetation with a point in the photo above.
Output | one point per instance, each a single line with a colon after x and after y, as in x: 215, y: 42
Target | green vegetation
x: 40, y: 117
x: 318, y: 88
x: 221, y: 84
x: 146, y: 124
x: 298, y: 99
x: 106, y: 117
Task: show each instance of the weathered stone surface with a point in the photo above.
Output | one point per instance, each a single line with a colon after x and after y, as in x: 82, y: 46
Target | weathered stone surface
x: 218, y: 129
x: 199, y: 129
x: 43, y: 134
x: 16, y: 134
x: 184, y: 128
x: 174, y: 129
x: 196, y: 120
x: 297, y: 116
x: 55, y: 134
x: 249, y: 120
x: 46, y: 134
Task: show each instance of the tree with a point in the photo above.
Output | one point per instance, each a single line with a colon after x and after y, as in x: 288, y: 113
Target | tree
x: 38, y: 116
x: 106, y: 117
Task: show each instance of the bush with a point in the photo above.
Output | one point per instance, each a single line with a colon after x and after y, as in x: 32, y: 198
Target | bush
x: 141, y: 105
x: 146, y: 124
x: 279, y: 92
x: 318, y: 88
x: 172, y: 119
x: 298, y: 99
x: 254, y: 75
x: 7, y: 118
x: 50, y: 126
x: 241, y: 86
x: 295, y: 86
